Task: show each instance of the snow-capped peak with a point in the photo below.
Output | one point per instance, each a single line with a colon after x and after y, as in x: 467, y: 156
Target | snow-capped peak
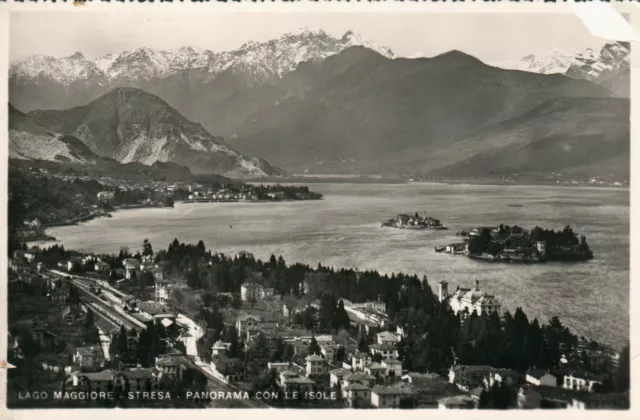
x: 587, y: 61
x: 305, y: 32
x: 262, y: 60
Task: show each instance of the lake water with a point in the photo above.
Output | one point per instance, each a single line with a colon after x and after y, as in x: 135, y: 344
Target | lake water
x: 343, y: 230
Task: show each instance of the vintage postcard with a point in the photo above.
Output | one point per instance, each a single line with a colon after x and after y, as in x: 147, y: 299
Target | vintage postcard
x: 330, y: 208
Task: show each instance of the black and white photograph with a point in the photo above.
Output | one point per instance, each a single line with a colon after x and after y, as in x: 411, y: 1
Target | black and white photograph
x: 316, y: 211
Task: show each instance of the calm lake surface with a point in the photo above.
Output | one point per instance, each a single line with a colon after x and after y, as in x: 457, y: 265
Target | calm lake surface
x: 343, y: 230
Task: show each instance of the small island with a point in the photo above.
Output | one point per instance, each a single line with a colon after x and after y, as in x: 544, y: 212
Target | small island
x: 514, y: 244
x: 405, y: 221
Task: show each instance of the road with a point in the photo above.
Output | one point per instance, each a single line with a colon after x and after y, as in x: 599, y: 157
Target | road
x: 112, y: 312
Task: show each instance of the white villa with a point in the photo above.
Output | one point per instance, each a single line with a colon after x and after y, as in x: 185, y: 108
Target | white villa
x: 473, y: 300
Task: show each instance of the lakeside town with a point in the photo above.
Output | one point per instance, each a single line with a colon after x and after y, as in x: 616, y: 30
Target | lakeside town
x: 186, y: 326
x: 73, y: 198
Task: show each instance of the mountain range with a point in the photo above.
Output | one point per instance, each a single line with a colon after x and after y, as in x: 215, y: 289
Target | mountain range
x: 608, y: 67
x: 371, y: 114
x: 130, y: 125
x: 192, y: 80
x: 309, y: 102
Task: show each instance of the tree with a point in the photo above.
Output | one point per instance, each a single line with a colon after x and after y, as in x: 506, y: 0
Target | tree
x: 123, y: 345
x: 252, y: 295
x: 314, y: 347
x: 623, y: 372
x: 500, y: 396
x: 289, y: 352
x: 363, y: 345
x: 341, y: 318
x: 147, y: 249
x: 340, y: 354
x: 277, y: 354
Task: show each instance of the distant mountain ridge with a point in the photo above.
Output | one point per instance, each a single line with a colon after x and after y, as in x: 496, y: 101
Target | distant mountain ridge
x: 309, y: 102
x: 360, y: 112
x: 130, y: 125
x: 44, y: 82
x: 608, y: 67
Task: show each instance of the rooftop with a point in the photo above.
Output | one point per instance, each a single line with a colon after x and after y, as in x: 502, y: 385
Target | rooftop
x: 299, y: 380
x: 456, y: 400
x: 538, y: 373
x: 340, y: 372
x: 382, y: 347
x: 138, y: 373
x: 471, y: 368
x: 397, y: 389
x: 358, y: 376
x: 105, y: 375
x: 357, y: 387
x: 85, y: 351
x: 388, y: 336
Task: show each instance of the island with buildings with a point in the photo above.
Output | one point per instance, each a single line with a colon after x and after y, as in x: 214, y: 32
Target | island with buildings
x: 406, y: 221
x: 515, y: 244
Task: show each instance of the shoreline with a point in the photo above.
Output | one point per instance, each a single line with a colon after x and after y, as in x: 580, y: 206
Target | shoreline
x: 355, y: 179
x: 45, y: 237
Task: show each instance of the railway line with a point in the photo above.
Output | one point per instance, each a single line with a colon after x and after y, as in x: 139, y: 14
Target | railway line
x: 111, y: 311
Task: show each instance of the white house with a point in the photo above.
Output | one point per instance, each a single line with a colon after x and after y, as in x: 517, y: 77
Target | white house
x: 254, y: 291
x: 357, y: 395
x: 329, y: 351
x: 387, y: 337
x: 390, y: 396
x: 392, y: 365
x: 360, y: 360
x: 377, y: 306
x: 315, y: 365
x: 336, y: 375
x: 581, y: 382
x: 541, y: 377
x: 375, y: 369
x: 474, y: 300
x: 357, y: 377
x: 162, y: 292
x: 131, y: 266
x: 387, y: 351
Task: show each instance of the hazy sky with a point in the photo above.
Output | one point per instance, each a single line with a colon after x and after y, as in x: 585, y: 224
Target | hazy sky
x: 489, y: 37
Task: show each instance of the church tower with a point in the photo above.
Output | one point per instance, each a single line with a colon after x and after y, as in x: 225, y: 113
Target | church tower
x: 443, y: 291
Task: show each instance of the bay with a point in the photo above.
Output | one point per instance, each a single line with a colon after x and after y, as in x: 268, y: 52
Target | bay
x: 344, y: 230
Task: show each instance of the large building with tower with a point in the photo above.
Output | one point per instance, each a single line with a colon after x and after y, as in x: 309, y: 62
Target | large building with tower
x: 473, y: 300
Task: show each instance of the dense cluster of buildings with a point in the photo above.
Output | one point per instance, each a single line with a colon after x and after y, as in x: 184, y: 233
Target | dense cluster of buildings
x: 358, y: 377
x: 364, y: 377
x: 537, y: 388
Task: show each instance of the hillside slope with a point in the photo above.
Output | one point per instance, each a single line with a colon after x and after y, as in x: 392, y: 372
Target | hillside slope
x: 130, y: 125
x: 403, y: 116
